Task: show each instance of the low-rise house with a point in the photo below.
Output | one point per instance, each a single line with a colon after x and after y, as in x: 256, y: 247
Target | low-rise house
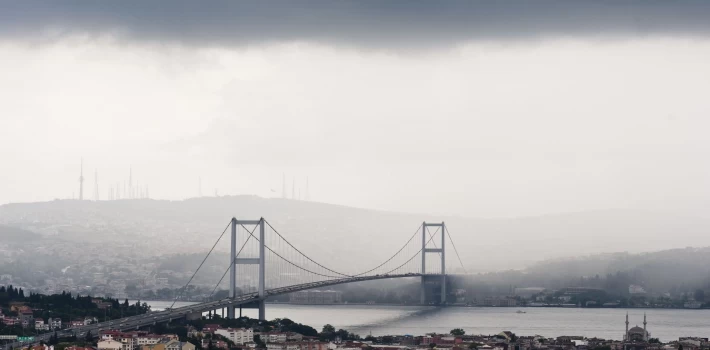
x: 55, y: 323
x: 170, y: 344
x: 219, y: 344
x: 273, y: 337
x: 282, y: 346
x: 40, y: 325
x: 238, y: 336
x: 74, y: 347
x: 11, y: 321
x: 210, y: 328
x: 148, y: 339
x: 109, y: 345
x: 26, y: 318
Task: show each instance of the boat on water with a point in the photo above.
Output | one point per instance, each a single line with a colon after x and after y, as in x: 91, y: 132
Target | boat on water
x: 520, y: 312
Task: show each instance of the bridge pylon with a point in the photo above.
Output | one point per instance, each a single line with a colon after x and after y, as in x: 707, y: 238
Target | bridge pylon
x: 261, y: 260
x: 442, y: 254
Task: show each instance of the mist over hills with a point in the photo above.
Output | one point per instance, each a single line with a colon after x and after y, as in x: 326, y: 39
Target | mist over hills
x: 343, y: 236
x: 672, y: 271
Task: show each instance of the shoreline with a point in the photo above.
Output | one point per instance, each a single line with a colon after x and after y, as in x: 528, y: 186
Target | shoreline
x: 451, y: 305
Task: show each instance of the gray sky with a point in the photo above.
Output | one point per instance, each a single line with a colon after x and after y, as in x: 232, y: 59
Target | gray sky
x: 484, y: 109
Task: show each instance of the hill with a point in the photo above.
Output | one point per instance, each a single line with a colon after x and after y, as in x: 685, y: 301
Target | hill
x: 345, y: 236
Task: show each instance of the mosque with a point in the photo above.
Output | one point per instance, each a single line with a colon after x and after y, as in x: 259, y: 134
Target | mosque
x: 636, y: 333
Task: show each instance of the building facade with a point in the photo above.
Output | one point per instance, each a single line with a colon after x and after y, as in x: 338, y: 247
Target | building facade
x: 237, y: 335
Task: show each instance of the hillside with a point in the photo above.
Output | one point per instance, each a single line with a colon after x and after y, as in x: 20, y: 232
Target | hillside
x: 345, y: 236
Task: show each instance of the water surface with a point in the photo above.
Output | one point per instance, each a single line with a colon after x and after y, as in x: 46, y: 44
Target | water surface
x: 550, y: 322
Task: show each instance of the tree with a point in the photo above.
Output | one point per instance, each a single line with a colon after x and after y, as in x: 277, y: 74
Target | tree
x: 54, y: 339
x: 89, y: 337
x: 680, y: 346
x: 328, y: 329
x: 654, y: 341
x: 259, y: 342
x: 343, y: 334
x: 457, y: 332
x: 432, y: 345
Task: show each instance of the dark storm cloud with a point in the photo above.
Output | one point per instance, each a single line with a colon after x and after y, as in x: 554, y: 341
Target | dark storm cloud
x: 360, y: 23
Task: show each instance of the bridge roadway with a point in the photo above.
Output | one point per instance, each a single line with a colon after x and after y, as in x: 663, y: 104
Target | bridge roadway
x: 151, y: 318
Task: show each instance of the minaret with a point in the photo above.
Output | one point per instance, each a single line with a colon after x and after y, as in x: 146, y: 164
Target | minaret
x: 626, y: 335
x: 645, y: 333
x: 81, y: 181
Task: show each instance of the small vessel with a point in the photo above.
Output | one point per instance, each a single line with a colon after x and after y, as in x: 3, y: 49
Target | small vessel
x: 520, y: 312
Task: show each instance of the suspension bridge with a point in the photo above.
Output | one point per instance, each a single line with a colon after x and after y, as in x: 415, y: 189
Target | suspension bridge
x: 263, y: 263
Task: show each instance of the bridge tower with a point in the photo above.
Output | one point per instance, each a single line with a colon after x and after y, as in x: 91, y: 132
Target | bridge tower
x: 247, y: 261
x: 442, y: 254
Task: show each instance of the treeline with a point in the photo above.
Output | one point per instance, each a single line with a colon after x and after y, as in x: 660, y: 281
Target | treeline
x: 10, y: 293
x: 68, y: 307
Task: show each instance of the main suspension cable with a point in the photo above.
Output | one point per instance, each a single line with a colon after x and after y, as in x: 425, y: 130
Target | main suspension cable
x: 294, y: 264
x: 393, y: 256
x: 306, y: 256
x: 415, y: 255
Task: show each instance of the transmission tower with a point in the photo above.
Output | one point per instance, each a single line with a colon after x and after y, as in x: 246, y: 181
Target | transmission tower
x: 81, y: 181
x: 283, y: 186
x: 96, y: 185
x: 308, y: 195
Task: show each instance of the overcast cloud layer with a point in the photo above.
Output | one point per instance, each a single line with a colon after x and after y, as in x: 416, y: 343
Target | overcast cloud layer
x: 508, y: 108
x: 398, y: 23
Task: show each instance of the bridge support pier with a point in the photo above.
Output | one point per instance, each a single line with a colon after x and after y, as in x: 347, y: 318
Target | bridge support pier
x: 442, y: 254
x: 261, y: 261
x: 262, y: 310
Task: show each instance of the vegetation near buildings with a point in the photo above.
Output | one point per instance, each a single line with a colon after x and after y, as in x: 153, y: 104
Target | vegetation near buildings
x: 64, y: 306
x: 457, y: 332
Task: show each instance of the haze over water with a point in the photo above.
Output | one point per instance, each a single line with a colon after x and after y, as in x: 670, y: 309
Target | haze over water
x: 667, y: 325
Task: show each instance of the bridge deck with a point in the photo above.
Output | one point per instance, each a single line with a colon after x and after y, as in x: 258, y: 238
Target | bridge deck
x: 134, y: 322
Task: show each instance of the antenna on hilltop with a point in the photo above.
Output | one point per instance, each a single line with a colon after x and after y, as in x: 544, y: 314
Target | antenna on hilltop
x: 81, y: 181
x: 308, y: 195
x: 283, y: 186
x: 96, y: 185
x: 130, y: 183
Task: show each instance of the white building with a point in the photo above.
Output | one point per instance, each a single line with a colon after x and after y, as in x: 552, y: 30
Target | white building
x: 237, y: 335
x: 40, y: 325
x: 109, y: 345
x: 150, y: 339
